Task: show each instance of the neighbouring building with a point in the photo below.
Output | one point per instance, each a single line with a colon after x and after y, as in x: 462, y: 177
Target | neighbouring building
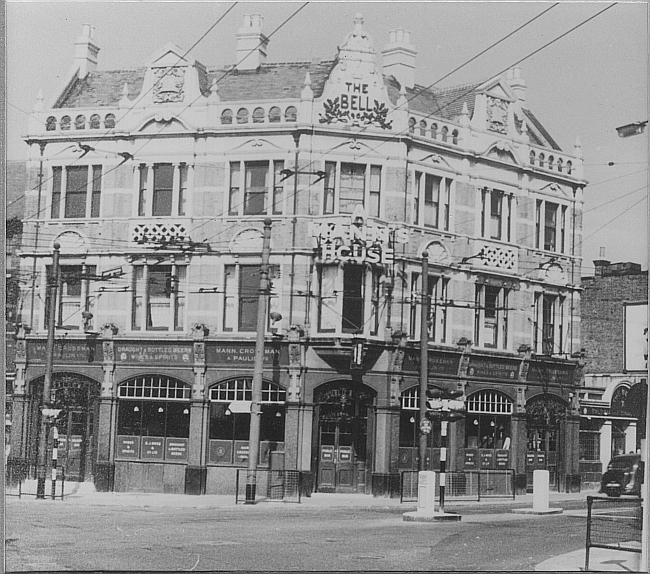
x: 157, y: 184
x: 615, y: 338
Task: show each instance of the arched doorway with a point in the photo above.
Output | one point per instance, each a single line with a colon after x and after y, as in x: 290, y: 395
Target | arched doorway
x: 344, y: 446
x: 76, y: 397
x: 545, y: 415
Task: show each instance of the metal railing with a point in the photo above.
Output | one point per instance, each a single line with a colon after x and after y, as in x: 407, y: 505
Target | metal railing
x: 281, y: 485
x: 613, y: 523
x: 464, y: 485
x: 53, y: 488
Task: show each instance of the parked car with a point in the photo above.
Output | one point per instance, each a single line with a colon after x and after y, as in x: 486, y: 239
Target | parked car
x: 624, y: 475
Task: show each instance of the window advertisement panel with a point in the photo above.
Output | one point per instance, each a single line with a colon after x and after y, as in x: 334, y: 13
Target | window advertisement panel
x: 220, y: 451
x: 502, y: 459
x: 636, y: 336
x: 153, y: 448
x: 486, y: 458
x: 471, y: 459
x: 176, y: 449
x: 241, y: 451
x: 128, y: 447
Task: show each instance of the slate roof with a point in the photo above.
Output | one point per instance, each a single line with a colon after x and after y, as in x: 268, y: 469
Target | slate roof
x: 278, y: 81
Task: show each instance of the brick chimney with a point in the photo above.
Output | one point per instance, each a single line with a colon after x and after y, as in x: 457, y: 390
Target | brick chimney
x: 601, y: 264
x: 399, y: 57
x: 251, y: 43
x: 85, y: 51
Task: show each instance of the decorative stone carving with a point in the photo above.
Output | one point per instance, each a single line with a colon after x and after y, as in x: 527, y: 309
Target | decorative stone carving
x: 199, y: 353
x: 199, y: 331
x: 109, y: 351
x: 109, y: 330
x: 497, y: 256
x: 159, y: 232
x: 497, y: 115
x: 169, y: 84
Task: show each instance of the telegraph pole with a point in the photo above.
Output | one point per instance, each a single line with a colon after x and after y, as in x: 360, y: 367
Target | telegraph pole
x: 52, y: 287
x: 258, y: 372
x: 424, y: 359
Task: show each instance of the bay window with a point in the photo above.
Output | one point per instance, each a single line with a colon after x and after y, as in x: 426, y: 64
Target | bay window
x: 349, y: 299
x: 491, y: 316
x: 550, y: 226
x: 548, y: 323
x: 349, y: 185
x: 162, y: 190
x: 159, y: 293
x: 241, y: 296
x: 496, y: 214
x: 79, y: 189
x: 262, y: 185
x: 437, y: 318
x: 431, y: 203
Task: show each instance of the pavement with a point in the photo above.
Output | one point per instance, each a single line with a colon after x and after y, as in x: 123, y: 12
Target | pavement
x: 600, y: 559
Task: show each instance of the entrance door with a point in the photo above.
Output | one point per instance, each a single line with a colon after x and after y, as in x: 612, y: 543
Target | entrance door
x: 542, y: 454
x: 342, y: 438
x: 72, y: 444
x: 337, y: 457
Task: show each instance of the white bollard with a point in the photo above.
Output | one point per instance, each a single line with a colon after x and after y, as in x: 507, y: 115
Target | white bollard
x: 540, y: 490
x: 426, y: 491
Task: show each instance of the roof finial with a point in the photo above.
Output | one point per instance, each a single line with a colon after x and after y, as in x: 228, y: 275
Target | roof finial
x: 578, y: 147
x: 125, y: 102
x: 358, y: 23
x: 38, y: 106
x: 307, y: 93
x: 214, y: 95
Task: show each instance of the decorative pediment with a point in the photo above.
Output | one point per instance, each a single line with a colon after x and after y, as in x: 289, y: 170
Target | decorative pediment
x: 257, y: 143
x: 162, y: 123
x: 557, y: 190
x: 354, y: 93
x: 555, y: 274
x: 434, y: 159
x: 169, y: 55
x: 247, y: 240
x: 503, y: 151
x: 437, y: 253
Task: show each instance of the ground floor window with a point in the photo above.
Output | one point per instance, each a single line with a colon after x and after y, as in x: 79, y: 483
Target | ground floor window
x: 409, y: 433
x: 487, y: 430
x: 153, y: 420
x: 230, y: 416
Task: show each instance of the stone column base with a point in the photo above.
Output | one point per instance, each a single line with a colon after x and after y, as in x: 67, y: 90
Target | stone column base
x: 195, y: 479
x: 104, y: 476
x: 386, y: 485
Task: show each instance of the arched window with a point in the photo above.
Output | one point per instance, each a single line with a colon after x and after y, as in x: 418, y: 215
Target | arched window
x: 291, y: 114
x: 153, y: 421
x: 50, y: 124
x: 226, y: 117
x: 542, y: 158
x: 80, y: 122
x: 423, y: 128
x: 559, y: 164
x: 409, y: 430
x: 532, y: 158
x: 242, y: 116
x: 487, y: 424
x: 411, y: 125
x: 109, y: 121
x: 95, y: 122
x: 445, y: 131
x: 454, y: 137
x: 551, y: 160
x: 230, y: 408
x: 569, y: 167
x: 258, y: 116
x: 434, y: 131
x: 275, y: 115
x: 65, y: 123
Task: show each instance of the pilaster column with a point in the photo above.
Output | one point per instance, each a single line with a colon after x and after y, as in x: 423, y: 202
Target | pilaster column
x: 107, y: 420
x: 519, y: 442
x: 294, y: 422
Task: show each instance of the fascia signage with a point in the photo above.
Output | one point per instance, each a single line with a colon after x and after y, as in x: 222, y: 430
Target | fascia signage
x: 357, y: 240
x: 439, y: 363
x: 153, y: 353
x: 491, y: 368
x: 540, y: 372
x: 244, y: 354
x: 66, y: 351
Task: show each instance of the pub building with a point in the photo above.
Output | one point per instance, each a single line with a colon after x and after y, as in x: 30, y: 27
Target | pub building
x: 364, y: 176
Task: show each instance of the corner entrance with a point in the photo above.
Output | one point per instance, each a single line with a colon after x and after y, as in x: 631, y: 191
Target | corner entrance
x: 343, y: 415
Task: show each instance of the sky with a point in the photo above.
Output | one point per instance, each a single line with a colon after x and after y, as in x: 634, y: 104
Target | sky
x: 586, y: 84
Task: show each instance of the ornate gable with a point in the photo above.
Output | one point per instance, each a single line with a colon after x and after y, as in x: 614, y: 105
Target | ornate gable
x: 355, y: 93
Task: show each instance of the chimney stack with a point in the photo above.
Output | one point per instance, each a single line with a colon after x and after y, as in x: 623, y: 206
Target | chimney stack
x: 251, y: 43
x: 86, y: 51
x: 601, y: 264
x: 399, y: 57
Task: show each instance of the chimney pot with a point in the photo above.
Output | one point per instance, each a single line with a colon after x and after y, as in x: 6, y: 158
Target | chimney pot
x: 251, y: 43
x: 399, y: 57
